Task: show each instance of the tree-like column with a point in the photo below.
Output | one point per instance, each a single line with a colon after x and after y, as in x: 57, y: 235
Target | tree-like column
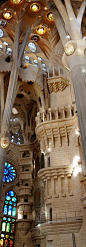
x: 74, y: 56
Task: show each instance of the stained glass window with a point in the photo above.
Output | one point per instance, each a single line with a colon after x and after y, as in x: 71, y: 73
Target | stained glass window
x: 32, y: 46
x: 1, y: 242
x: 27, y: 59
x: 35, y: 62
x: 11, y: 193
x: 1, y: 47
x: 16, y: 1
x: 8, y: 227
x: 9, y: 175
x: 9, y: 218
x: 14, y: 212
x: 40, y: 58
x: 5, y: 210
x: 5, y: 43
x: 44, y: 66
x: 9, y: 51
x: 3, y: 226
x: 2, y: 23
x: 50, y: 16
x: 9, y: 210
x: 1, y: 33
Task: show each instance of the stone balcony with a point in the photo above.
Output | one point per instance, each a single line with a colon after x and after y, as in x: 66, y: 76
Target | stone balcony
x: 55, y: 172
x: 59, y: 217
x: 55, y: 123
x: 62, y: 223
x: 59, y: 113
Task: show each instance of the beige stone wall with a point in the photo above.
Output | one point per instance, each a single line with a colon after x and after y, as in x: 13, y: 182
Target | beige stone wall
x: 62, y: 189
x: 62, y: 98
x: 53, y: 188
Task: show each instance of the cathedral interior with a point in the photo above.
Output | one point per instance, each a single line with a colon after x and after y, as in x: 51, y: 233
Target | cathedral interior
x: 43, y: 123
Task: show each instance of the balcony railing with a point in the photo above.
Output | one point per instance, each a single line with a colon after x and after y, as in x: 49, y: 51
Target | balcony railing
x: 56, y: 114
x: 58, y: 217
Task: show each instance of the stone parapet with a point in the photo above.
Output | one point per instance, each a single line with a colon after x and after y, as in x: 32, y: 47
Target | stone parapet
x: 50, y: 130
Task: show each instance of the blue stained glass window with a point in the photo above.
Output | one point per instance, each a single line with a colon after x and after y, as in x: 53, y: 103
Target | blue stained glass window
x: 5, y: 164
x: 13, y: 220
x: 4, y: 218
x: 10, y: 203
x: 14, y: 212
x: 1, y: 33
x: 4, y: 179
x: 9, y: 174
x: 11, y: 193
x: 9, y: 219
x: 14, y: 199
x: 10, y: 210
x: 6, y: 202
x: 8, y: 198
x: 5, y: 209
x: 8, y: 165
x: 5, y: 171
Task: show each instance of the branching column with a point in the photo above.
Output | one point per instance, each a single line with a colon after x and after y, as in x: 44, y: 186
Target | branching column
x: 11, y: 94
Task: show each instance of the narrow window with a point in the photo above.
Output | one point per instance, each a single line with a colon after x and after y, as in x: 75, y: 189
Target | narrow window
x: 48, y: 161
x: 50, y: 214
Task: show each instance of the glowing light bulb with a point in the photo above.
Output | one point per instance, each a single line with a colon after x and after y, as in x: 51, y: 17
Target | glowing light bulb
x: 41, y: 30
x: 35, y: 7
x: 7, y: 15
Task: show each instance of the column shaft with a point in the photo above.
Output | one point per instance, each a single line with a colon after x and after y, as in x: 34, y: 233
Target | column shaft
x: 2, y: 162
x: 78, y: 73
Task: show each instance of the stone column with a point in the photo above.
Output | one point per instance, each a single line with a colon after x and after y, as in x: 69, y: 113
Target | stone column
x: 2, y: 93
x: 78, y: 73
x: 13, y: 81
x: 46, y: 91
x: 2, y: 162
x: 77, y: 64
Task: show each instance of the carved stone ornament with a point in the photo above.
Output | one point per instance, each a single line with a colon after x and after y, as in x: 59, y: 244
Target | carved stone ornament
x: 58, y: 84
x: 5, y: 142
